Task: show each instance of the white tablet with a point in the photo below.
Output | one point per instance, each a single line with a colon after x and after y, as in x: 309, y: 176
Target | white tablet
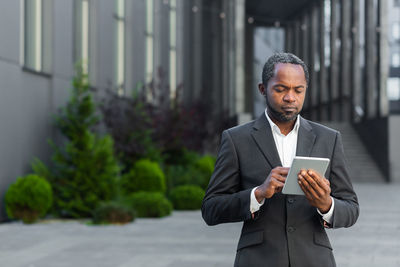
x: 292, y: 186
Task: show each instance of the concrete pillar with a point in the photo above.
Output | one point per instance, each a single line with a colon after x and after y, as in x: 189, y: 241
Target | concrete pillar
x: 180, y: 45
x: 297, y: 34
x: 356, y: 94
x: 197, y: 49
x: 345, y: 62
x: 323, y: 85
x: 383, y: 57
x: 305, y: 48
x: 240, y: 90
x: 333, y: 84
x: 313, y: 90
x: 371, y: 60
x: 250, y: 82
x: 289, y: 38
x: 161, y: 50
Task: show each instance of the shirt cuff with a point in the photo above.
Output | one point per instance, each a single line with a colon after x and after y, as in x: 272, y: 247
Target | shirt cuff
x: 254, y: 205
x: 328, y: 216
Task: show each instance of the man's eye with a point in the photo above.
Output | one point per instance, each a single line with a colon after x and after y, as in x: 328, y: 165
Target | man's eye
x: 279, y: 89
x: 299, y: 90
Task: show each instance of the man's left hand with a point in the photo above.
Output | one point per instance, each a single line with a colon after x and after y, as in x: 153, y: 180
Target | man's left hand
x: 316, y: 189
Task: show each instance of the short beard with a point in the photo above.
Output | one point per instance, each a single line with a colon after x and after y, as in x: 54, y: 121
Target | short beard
x: 280, y: 116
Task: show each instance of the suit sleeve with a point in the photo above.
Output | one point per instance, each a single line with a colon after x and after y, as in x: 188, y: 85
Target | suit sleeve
x: 223, y: 201
x: 346, y: 209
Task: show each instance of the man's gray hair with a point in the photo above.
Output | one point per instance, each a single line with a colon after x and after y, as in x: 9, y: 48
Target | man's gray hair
x: 268, y: 70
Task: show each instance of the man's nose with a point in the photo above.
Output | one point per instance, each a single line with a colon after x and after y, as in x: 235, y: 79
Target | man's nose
x: 289, y: 97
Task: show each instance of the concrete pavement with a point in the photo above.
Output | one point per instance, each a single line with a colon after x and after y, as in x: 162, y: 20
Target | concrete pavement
x: 183, y: 239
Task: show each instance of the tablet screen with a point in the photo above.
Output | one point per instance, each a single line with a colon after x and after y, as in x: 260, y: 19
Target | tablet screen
x: 292, y: 186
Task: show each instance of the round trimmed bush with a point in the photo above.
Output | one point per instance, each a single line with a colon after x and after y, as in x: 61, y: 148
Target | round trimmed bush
x: 206, y: 167
x: 144, y: 176
x: 29, y: 198
x: 206, y: 164
x: 187, y: 197
x: 150, y: 204
x: 178, y: 175
x: 113, y: 212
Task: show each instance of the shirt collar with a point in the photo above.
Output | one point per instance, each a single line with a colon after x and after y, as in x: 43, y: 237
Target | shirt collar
x: 275, y: 127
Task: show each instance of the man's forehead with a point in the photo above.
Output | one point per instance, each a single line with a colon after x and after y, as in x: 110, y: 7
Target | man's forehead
x: 286, y: 70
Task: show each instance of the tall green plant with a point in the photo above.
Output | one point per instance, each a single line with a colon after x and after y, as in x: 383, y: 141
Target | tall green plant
x: 84, y: 169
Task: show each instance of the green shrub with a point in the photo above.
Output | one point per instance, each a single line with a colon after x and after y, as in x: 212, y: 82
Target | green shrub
x: 127, y: 119
x: 29, y: 198
x: 197, y: 173
x: 84, y: 170
x: 150, y: 204
x: 187, y: 197
x: 178, y: 175
x: 113, y: 212
x: 144, y: 176
x: 206, y: 166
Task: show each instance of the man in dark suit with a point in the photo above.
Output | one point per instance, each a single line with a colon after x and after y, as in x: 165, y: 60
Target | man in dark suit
x: 251, y: 168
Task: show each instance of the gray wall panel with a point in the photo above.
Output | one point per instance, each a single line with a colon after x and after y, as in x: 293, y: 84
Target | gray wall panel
x: 10, y: 30
x: 394, y: 147
x: 25, y: 108
x: 63, y: 39
x: 105, y: 43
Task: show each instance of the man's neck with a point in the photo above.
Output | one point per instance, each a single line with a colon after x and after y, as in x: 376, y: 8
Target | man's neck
x: 284, y: 126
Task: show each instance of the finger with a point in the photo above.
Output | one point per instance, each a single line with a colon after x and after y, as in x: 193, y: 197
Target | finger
x: 310, y: 185
x: 279, y: 177
x: 305, y: 190
x: 320, y: 180
x: 316, y: 185
x: 277, y: 183
x: 327, y: 182
x: 282, y: 170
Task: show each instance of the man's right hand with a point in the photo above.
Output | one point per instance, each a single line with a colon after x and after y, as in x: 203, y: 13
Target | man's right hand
x: 273, y: 184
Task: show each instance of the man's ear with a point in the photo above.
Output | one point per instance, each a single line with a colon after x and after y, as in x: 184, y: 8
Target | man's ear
x: 261, y: 88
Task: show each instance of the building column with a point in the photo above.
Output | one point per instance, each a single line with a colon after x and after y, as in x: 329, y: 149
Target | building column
x: 196, y: 85
x: 305, y: 52
x: 323, y: 85
x: 240, y: 89
x: 345, y: 52
x: 297, y: 34
x: 313, y: 88
x: 371, y: 61
x: 383, y: 57
x: 333, y: 84
x: 289, y: 38
x: 249, y: 65
x: 356, y: 94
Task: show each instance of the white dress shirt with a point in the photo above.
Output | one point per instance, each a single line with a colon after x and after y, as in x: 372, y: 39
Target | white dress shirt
x: 286, y: 146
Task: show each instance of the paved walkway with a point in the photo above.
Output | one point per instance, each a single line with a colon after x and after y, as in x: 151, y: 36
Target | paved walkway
x: 183, y: 239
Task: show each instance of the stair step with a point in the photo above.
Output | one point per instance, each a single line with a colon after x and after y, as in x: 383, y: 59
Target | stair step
x: 362, y: 168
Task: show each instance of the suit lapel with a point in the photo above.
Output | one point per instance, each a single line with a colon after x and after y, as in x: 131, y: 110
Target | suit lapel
x: 305, y: 139
x: 262, y: 135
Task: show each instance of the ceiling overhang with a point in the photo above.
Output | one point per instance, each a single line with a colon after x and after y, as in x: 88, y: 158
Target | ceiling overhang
x: 275, y: 12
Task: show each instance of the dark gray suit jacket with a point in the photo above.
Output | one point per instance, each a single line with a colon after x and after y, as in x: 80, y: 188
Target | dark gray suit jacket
x: 287, y: 230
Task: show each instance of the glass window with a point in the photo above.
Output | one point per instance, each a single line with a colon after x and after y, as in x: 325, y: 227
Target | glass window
x: 393, y: 87
x: 327, y: 38
x: 82, y: 33
x: 120, y: 46
x: 37, y: 35
x: 149, y: 40
x: 396, y: 60
x: 172, y: 50
x: 396, y: 30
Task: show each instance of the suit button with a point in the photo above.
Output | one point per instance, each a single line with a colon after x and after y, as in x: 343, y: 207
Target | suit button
x: 291, y: 229
x: 290, y: 200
